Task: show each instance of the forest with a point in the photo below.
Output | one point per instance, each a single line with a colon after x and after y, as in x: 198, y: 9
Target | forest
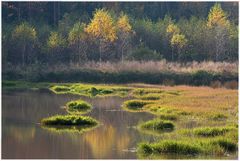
x: 54, y: 32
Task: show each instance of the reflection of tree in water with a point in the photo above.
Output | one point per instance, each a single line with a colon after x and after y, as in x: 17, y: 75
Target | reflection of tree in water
x: 106, y: 139
x: 21, y: 134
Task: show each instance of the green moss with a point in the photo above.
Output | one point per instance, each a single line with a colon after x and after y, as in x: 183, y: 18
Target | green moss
x: 157, y: 125
x: 69, y: 120
x: 78, y: 107
x: 210, y: 131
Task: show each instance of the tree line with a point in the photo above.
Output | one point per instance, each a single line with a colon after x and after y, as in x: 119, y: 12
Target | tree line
x: 115, y: 35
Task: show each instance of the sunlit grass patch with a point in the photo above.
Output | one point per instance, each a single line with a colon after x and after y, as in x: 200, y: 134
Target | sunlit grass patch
x: 91, y: 90
x: 58, y: 89
x: 78, y: 107
x: 226, y: 144
x: 169, y: 146
x: 69, y: 120
x: 135, y: 105
x: 218, y: 116
x: 151, y: 96
x: 168, y: 116
x: 157, y: 125
x: 211, y: 131
x: 189, y: 146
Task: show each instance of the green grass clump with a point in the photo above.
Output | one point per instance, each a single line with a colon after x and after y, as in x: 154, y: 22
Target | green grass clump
x: 168, y: 116
x: 210, y: 131
x: 69, y: 120
x: 226, y: 144
x: 135, y: 105
x: 60, y: 89
x: 150, y: 96
x: 218, y: 116
x: 171, y: 147
x: 157, y: 125
x: 91, y: 90
x: 78, y: 107
x: 140, y: 91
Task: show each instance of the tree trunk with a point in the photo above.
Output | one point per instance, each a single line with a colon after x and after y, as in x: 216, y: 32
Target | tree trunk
x: 23, y: 54
x: 100, y: 51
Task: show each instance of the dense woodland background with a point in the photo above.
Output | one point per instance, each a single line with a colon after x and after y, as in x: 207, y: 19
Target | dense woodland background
x: 76, y: 32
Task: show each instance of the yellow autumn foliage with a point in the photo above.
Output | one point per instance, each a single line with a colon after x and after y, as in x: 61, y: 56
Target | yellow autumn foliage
x: 217, y: 17
x: 102, y: 26
x: 123, y: 24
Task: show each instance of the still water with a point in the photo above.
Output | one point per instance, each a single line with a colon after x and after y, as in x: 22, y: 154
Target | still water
x: 23, y: 137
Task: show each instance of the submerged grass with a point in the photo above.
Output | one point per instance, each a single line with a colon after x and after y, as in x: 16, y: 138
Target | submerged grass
x: 78, y: 107
x: 69, y: 120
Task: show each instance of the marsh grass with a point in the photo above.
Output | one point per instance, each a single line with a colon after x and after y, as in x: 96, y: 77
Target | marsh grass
x: 91, y: 90
x: 211, y: 131
x: 78, y: 107
x: 175, y: 147
x: 68, y: 129
x: 135, y: 105
x: 157, y: 125
x: 69, y: 120
x: 189, y: 146
x: 218, y: 116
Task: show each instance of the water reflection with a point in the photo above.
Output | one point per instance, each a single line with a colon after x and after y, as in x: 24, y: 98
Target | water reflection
x: 23, y: 110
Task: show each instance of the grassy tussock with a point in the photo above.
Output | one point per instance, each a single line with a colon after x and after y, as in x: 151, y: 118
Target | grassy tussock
x: 174, y: 147
x: 69, y: 120
x: 211, y: 131
x: 192, y: 146
x: 172, y: 117
x: 157, y: 125
x: 135, y: 105
x: 78, y: 107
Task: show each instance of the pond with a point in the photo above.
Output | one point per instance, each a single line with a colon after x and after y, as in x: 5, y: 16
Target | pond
x: 23, y: 137
x: 115, y: 138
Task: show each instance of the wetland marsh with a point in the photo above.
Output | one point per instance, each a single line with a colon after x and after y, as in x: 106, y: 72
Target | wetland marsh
x: 135, y: 121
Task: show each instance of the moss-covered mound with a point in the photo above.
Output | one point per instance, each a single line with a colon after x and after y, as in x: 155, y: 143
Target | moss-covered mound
x: 78, y: 107
x: 69, y: 120
x: 157, y: 125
